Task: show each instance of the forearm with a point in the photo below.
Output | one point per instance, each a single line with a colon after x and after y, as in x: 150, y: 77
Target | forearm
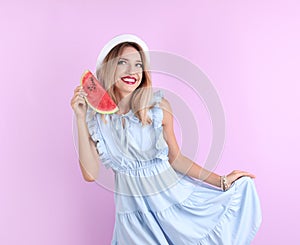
x: 186, y: 166
x: 88, y: 156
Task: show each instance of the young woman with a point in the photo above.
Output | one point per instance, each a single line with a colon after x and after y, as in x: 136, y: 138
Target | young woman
x: 158, y: 196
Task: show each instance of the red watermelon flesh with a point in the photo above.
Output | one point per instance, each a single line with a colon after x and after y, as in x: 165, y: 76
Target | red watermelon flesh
x: 98, y: 98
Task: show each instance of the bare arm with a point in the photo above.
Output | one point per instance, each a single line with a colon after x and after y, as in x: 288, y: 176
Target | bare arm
x: 88, y: 156
x: 182, y: 163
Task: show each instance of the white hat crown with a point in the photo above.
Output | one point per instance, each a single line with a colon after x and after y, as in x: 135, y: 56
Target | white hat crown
x: 121, y: 39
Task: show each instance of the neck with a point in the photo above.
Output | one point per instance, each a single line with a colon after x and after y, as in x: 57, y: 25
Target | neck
x: 123, y: 102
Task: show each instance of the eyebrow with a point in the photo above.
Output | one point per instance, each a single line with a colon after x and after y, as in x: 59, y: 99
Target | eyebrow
x: 127, y: 59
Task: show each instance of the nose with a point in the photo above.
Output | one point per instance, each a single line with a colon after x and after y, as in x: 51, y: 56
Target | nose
x: 131, y: 69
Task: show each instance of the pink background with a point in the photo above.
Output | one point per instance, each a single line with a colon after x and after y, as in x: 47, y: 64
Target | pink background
x: 249, y: 49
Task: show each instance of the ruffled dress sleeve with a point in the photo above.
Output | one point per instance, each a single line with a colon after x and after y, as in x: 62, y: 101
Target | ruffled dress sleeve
x: 157, y: 117
x: 95, y: 132
x: 156, y: 110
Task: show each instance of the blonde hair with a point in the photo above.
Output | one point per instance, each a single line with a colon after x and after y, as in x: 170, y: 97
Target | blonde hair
x: 142, y: 95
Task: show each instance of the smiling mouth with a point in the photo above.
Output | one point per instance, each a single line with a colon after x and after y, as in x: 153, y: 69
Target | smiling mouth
x: 129, y: 80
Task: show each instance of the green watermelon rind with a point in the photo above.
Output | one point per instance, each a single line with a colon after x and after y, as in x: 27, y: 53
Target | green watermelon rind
x: 90, y: 105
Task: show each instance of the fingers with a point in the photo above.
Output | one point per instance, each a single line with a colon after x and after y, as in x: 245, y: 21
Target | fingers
x: 78, y: 98
x: 244, y: 173
x: 78, y: 88
x: 236, y: 174
x: 78, y: 93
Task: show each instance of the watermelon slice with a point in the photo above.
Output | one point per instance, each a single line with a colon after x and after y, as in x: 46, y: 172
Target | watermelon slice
x: 98, y: 98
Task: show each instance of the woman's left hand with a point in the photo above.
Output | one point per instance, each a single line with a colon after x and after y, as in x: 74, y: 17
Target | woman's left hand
x: 236, y: 174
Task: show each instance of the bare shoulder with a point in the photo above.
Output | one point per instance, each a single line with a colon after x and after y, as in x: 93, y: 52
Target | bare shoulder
x: 168, y: 130
x: 167, y: 112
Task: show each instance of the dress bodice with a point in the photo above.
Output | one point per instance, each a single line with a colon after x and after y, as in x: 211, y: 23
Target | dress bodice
x: 123, y: 143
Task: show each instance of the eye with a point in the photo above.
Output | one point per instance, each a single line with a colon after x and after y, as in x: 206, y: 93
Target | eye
x: 121, y: 62
x: 139, y: 65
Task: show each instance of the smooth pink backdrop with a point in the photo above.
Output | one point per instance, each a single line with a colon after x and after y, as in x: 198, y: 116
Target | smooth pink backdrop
x: 249, y: 49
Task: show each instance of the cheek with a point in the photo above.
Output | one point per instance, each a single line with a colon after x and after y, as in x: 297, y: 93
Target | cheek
x: 119, y: 72
x: 118, y: 75
x: 140, y: 76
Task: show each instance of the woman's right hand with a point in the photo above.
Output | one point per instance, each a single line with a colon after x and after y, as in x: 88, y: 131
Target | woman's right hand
x: 78, y: 103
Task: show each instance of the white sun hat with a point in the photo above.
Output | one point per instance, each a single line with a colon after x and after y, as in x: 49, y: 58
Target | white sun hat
x: 121, y: 39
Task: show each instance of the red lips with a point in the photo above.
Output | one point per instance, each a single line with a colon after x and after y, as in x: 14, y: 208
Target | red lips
x: 129, y: 80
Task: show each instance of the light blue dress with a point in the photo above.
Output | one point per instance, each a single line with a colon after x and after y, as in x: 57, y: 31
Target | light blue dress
x: 157, y: 205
